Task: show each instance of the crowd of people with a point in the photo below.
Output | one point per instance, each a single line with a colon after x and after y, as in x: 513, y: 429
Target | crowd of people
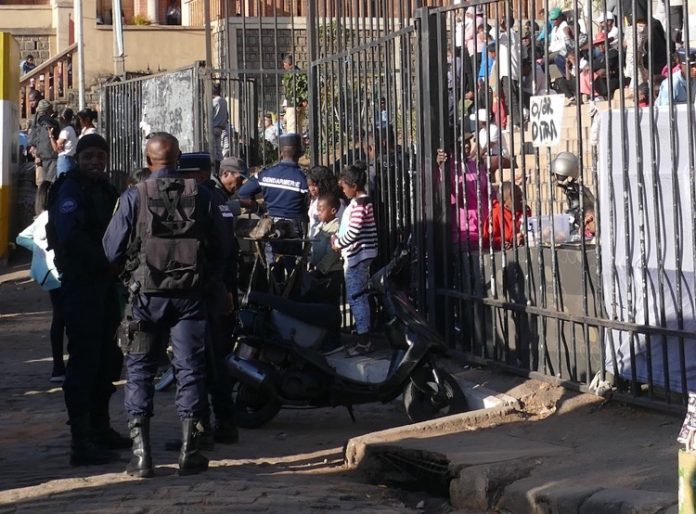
x: 500, y: 61
x: 167, y: 250
x: 495, y: 66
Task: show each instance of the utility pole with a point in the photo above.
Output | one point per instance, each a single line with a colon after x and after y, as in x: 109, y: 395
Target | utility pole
x: 117, y: 24
x: 208, y: 35
x: 79, y: 36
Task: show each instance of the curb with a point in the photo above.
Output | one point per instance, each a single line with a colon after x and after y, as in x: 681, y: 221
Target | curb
x: 509, y: 485
x: 355, y: 450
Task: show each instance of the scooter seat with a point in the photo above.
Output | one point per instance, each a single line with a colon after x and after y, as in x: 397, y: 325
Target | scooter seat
x: 315, y: 314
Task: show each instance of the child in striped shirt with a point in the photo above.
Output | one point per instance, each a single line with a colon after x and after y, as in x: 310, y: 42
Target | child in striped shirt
x: 357, y: 241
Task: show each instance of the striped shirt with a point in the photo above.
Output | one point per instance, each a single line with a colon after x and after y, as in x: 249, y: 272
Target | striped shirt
x: 357, y: 235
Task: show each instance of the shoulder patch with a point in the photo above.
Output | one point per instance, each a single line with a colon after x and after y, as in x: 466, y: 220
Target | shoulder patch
x: 225, y: 211
x: 67, y: 206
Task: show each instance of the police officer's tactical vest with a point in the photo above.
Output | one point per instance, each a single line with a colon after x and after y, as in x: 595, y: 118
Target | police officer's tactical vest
x: 169, y: 237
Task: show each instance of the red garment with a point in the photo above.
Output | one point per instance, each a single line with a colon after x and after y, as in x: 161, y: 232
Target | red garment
x: 510, y: 229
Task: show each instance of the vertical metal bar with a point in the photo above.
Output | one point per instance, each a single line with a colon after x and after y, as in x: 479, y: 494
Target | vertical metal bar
x: 692, y: 189
x: 313, y: 70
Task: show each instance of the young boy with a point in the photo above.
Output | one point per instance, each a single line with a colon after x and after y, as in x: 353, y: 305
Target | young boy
x: 325, y: 264
x: 506, y: 217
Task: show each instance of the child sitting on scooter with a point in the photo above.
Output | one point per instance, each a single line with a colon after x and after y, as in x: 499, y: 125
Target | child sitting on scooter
x: 357, y: 241
x: 325, y: 266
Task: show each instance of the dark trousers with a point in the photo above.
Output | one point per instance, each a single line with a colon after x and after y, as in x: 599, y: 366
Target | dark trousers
x: 185, y: 318
x: 606, y: 87
x: 219, y: 381
x: 565, y: 87
x: 92, y: 315
x: 57, y: 330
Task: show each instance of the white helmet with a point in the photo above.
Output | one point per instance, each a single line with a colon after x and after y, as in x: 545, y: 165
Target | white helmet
x: 566, y: 165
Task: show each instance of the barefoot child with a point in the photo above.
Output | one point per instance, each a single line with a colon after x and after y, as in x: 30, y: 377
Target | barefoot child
x: 357, y: 241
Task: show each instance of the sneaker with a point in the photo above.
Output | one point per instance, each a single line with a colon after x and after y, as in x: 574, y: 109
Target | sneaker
x: 57, y: 378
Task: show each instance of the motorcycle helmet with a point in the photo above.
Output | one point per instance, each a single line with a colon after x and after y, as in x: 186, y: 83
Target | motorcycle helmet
x: 565, y: 166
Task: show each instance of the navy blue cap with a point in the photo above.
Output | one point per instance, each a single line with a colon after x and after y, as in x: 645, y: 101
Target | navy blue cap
x: 193, y: 162
x: 290, y: 139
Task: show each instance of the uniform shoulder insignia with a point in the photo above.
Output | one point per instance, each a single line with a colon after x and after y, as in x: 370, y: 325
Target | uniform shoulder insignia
x: 225, y: 211
x: 67, y: 206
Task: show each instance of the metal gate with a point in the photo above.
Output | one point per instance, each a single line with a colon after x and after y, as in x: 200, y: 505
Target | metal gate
x: 446, y: 125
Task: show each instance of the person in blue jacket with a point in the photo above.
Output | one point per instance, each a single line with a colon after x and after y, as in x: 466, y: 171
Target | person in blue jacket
x: 80, y: 206
x: 284, y: 189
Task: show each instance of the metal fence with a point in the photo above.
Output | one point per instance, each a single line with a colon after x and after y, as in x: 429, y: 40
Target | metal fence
x: 607, y: 291
x: 583, y: 280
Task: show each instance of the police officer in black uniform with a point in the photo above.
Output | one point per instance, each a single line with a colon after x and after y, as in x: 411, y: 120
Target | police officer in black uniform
x: 223, y: 187
x: 166, y: 231
x: 220, y: 309
x: 80, y: 206
x: 284, y: 189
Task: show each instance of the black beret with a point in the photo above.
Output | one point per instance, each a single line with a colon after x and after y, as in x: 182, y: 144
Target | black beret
x: 91, y: 141
x: 194, y: 161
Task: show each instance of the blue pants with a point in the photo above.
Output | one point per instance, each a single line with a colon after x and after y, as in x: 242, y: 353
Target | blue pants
x: 65, y: 164
x: 560, y: 62
x: 357, y: 278
x: 185, y: 320
x: 92, y: 315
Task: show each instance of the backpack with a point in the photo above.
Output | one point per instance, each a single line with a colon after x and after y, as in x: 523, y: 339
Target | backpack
x: 167, y: 250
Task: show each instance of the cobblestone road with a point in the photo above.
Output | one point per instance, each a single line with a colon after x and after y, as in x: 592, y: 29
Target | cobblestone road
x: 292, y: 465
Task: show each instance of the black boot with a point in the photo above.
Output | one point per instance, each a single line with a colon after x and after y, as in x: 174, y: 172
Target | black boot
x: 83, y: 450
x: 140, y: 464
x: 206, y: 441
x: 226, y: 432
x: 191, y: 460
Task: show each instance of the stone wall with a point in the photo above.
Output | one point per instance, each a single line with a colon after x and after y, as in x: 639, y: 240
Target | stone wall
x: 38, y: 45
x: 263, y: 49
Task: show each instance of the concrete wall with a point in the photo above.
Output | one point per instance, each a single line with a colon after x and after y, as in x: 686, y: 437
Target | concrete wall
x: 147, y: 47
x: 32, y: 26
x: 526, y: 339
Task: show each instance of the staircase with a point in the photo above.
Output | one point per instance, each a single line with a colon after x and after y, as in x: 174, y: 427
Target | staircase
x: 53, y: 79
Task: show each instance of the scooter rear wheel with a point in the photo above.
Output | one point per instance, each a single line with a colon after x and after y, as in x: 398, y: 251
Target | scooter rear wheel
x: 425, y: 399
x: 253, y: 407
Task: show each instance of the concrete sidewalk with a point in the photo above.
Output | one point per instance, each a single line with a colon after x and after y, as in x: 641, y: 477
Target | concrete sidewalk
x: 553, y: 452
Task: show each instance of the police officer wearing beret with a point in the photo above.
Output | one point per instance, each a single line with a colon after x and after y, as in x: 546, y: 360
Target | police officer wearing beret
x: 172, y: 242
x: 80, y: 206
x: 220, y: 308
x: 284, y: 189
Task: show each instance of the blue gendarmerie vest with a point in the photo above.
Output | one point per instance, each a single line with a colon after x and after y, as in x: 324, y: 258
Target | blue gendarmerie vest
x: 284, y: 189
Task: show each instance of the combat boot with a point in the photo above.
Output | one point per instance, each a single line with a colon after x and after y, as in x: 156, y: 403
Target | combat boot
x: 226, y: 432
x: 140, y: 464
x: 191, y: 461
x: 83, y: 450
x: 206, y: 441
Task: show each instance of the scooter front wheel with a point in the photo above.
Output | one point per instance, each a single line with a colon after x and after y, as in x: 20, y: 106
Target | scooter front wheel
x: 426, y: 397
x: 253, y: 407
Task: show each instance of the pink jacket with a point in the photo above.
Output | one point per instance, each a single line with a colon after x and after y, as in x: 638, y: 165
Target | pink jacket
x: 464, y: 202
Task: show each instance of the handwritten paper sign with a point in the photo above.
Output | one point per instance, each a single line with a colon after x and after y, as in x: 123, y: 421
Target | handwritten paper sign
x: 546, y: 117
